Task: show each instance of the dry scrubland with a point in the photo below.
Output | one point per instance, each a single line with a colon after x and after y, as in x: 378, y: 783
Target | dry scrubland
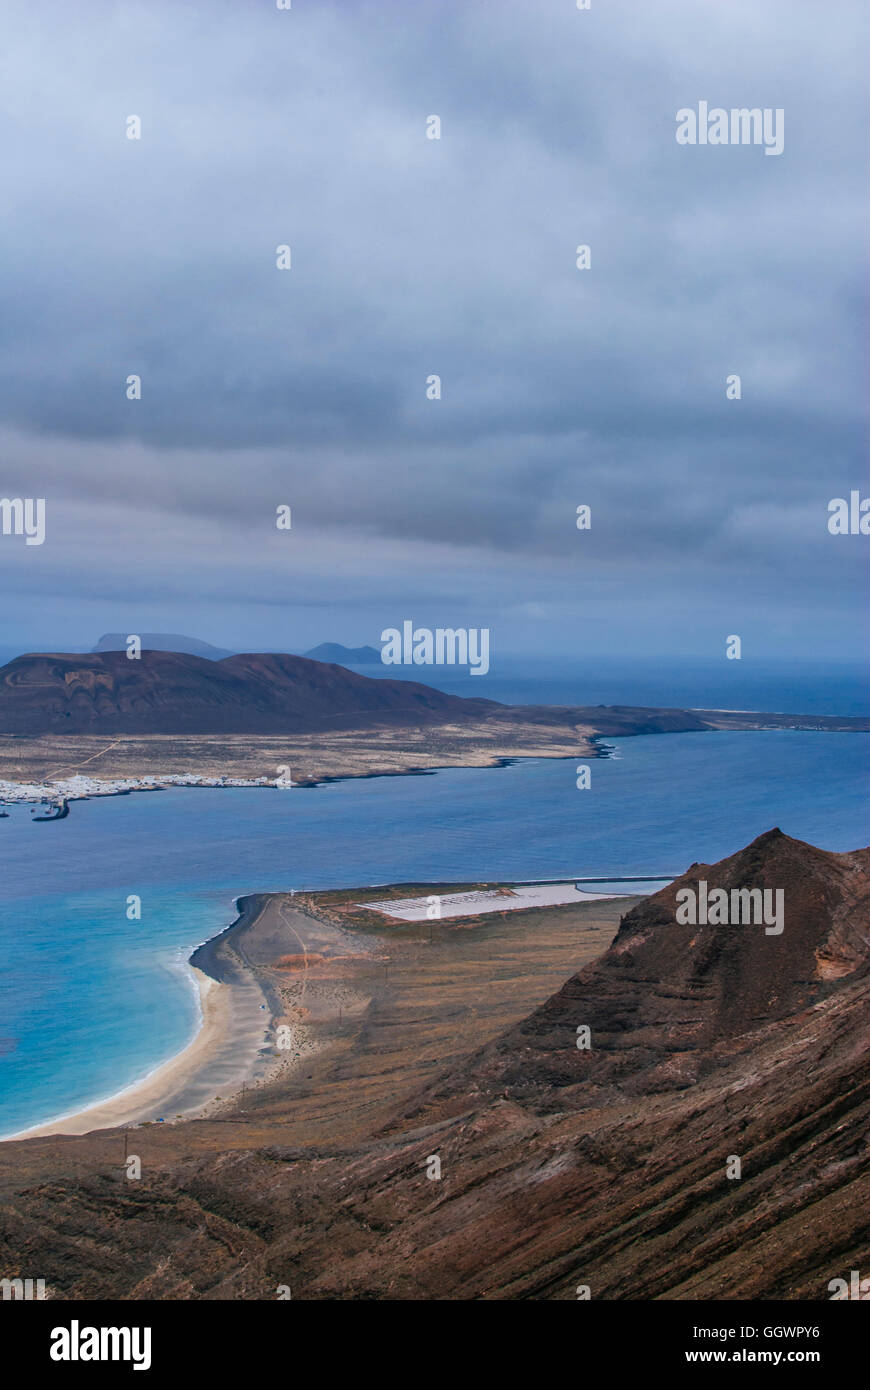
x: 311, y: 757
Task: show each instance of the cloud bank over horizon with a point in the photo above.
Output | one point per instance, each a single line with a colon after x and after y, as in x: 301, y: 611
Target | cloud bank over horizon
x: 413, y: 257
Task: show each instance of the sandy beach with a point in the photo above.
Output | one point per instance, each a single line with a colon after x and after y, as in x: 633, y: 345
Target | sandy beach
x: 243, y: 1002
x: 227, y: 1052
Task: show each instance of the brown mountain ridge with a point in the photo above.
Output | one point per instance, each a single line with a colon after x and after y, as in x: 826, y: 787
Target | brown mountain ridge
x: 175, y: 692
x: 669, y: 1003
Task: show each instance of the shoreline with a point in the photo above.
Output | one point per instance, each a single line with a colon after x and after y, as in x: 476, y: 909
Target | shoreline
x: 73, y: 1122
x: 227, y: 1050
x: 240, y: 761
x: 40, y: 794
x: 230, y: 1048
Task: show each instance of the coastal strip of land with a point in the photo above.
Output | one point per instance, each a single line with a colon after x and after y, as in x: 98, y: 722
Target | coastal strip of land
x: 323, y: 998
x: 50, y: 765
x: 62, y: 767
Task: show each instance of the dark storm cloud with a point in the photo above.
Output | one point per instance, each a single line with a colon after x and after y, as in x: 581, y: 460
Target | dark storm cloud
x: 413, y: 257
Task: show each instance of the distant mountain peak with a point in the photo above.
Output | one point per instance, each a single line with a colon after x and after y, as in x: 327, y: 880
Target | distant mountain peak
x: 335, y: 653
x: 161, y: 642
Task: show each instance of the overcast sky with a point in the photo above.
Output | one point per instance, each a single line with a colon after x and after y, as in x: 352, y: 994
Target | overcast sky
x: 412, y: 256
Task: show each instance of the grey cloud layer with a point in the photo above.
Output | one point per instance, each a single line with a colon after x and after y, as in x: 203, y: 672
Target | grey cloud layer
x: 413, y: 256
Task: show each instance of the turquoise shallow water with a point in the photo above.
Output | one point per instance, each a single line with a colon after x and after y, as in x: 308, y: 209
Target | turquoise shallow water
x: 90, y: 1002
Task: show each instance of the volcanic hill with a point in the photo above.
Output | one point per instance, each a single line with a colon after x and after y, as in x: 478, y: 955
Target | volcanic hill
x: 175, y: 693
x: 669, y: 1003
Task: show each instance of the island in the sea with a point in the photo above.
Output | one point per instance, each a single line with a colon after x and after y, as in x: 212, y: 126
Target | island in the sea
x: 345, y: 656
x: 80, y: 725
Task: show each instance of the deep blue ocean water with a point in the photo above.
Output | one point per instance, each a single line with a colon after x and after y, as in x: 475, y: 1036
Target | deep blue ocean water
x: 784, y: 687
x: 90, y: 1002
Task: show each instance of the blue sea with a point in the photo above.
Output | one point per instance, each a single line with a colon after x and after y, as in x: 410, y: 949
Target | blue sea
x: 783, y: 687
x: 90, y: 1002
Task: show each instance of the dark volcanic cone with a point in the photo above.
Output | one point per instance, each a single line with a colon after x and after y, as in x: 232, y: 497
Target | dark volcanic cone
x: 668, y: 1002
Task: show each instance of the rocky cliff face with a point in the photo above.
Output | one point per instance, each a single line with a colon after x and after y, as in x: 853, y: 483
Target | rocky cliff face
x: 713, y: 1142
